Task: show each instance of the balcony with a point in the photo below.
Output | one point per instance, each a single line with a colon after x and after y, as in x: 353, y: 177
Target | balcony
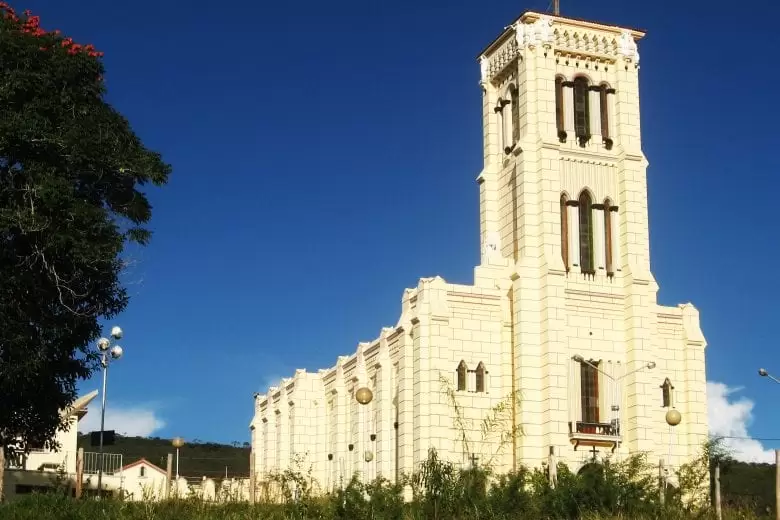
x: 605, y: 435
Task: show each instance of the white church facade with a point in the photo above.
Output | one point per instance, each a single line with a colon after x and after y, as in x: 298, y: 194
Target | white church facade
x: 560, y: 343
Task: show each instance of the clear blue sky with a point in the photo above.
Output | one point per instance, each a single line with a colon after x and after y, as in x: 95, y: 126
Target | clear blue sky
x: 324, y: 159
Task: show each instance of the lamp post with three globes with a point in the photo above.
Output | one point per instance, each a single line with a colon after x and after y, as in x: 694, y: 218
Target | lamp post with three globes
x: 107, y: 354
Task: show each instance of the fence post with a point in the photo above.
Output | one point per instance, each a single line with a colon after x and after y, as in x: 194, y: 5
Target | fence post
x: 79, y: 472
x: 169, y: 475
x: 661, y: 482
x: 777, y: 484
x: 252, y: 477
x: 718, y: 510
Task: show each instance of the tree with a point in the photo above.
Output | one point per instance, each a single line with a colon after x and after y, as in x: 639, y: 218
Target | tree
x: 71, y: 173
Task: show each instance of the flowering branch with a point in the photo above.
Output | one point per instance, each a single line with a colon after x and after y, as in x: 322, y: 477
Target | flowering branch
x: 31, y: 25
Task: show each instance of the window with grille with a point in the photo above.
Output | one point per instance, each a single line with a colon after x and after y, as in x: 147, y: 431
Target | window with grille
x: 604, y: 112
x: 608, y: 238
x: 560, y: 121
x: 581, y: 110
x: 564, y: 232
x: 515, y: 96
x: 586, y: 233
x: 589, y: 392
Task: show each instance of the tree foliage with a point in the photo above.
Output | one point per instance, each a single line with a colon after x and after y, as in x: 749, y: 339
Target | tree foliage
x: 71, y: 173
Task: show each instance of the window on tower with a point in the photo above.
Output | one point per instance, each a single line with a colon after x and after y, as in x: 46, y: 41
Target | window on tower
x: 604, y: 91
x: 560, y: 117
x: 608, y: 238
x: 515, y: 96
x: 504, y: 124
x: 581, y: 110
x: 564, y: 231
x: 586, y: 233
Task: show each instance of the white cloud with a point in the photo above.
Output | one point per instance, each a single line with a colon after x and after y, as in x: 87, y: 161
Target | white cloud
x: 730, y: 416
x: 132, y: 421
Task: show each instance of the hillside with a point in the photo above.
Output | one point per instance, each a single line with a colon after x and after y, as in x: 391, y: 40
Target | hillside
x: 196, y: 459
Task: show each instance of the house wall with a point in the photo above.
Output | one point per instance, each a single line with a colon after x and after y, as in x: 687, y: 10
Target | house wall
x: 147, y: 486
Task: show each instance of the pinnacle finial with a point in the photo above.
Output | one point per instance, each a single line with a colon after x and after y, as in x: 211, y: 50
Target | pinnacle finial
x: 556, y: 7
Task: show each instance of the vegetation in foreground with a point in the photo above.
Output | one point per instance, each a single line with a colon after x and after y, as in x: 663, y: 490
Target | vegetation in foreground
x: 616, y: 490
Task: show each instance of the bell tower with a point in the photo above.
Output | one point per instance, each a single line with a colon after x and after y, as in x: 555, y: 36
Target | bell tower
x: 562, y: 132
x: 564, y: 232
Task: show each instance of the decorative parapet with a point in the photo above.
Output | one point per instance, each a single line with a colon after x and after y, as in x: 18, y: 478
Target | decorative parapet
x: 570, y: 38
x: 691, y: 325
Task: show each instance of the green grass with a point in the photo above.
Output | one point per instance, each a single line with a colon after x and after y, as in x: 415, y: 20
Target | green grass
x: 58, y: 507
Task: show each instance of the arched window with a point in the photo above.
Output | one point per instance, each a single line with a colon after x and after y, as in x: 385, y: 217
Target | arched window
x: 560, y: 114
x: 462, y: 371
x: 504, y: 124
x: 480, y: 377
x: 666, y: 394
x: 586, y: 233
x: 604, y: 109
x: 564, y: 231
x: 581, y: 110
x: 608, y: 237
x: 515, y: 96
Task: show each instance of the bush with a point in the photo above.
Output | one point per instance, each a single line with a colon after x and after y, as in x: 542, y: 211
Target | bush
x: 627, y: 490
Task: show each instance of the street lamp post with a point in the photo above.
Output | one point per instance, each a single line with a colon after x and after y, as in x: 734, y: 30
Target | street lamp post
x: 107, y: 354
x: 615, y: 407
x: 178, y: 442
x: 763, y: 373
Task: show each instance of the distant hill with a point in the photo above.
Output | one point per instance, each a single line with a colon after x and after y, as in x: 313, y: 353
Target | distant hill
x: 196, y: 459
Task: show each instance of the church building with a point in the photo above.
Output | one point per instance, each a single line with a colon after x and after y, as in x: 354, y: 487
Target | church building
x: 560, y: 345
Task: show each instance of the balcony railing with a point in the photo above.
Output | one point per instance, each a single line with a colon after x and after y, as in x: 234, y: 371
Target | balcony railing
x: 112, y: 463
x: 595, y: 433
x: 56, y: 461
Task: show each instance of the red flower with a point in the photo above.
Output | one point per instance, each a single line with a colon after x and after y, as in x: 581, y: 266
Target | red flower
x: 43, y: 49
x: 27, y: 12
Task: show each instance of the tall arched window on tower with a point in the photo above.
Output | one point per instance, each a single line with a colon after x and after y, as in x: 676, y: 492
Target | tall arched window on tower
x: 504, y: 125
x: 608, y: 238
x: 564, y: 231
x: 581, y: 110
x: 480, y: 379
x: 586, y: 233
x: 604, y: 109
x: 560, y: 114
x: 462, y: 372
x: 515, y: 96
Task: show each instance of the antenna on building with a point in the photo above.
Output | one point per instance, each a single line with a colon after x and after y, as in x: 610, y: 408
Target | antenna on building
x: 556, y: 7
